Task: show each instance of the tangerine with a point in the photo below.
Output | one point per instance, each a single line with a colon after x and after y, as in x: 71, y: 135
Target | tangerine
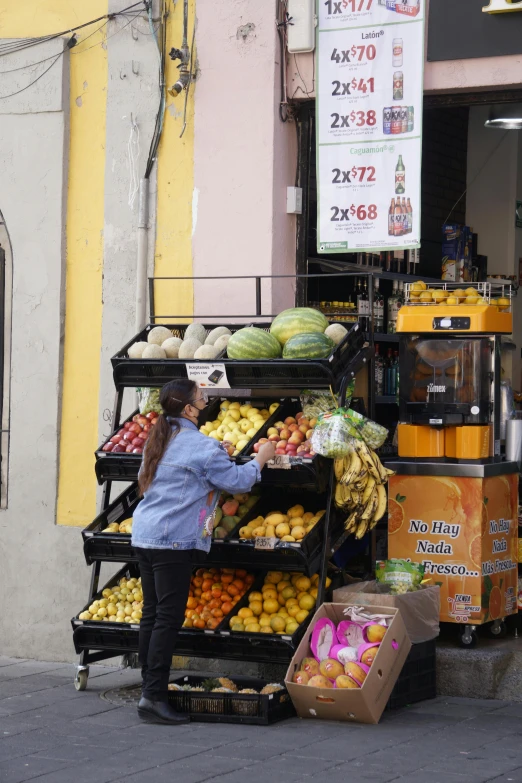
x: 239, y: 584
x: 197, y: 581
x: 213, y: 623
x: 249, y: 579
x: 197, y: 592
x: 395, y: 516
x: 199, y: 623
x: 227, y: 607
x: 227, y: 579
x: 495, y: 603
x: 192, y: 603
x: 232, y: 590
x: 217, y: 613
x: 207, y: 584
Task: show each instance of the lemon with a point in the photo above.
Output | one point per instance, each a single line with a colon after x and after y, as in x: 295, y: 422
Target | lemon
x: 289, y: 593
x: 307, y: 602
x: 426, y: 296
x: 503, y: 303
x: 291, y: 602
x: 255, y: 597
x: 256, y: 607
x: 439, y: 296
x: 266, y: 629
x: 271, y: 606
x: 234, y: 406
x: 274, y: 577
x: 281, y: 585
x: 302, y: 584
x: 225, y: 405
x: 472, y: 299
x: 294, y: 610
x: 452, y: 300
x: 252, y: 628
x: 246, y: 612
x: 277, y: 623
x: 264, y: 622
x: 301, y: 616
x: 291, y: 627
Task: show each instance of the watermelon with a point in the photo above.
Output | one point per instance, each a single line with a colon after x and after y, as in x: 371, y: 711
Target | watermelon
x: 253, y: 343
x: 308, y: 346
x: 298, y: 320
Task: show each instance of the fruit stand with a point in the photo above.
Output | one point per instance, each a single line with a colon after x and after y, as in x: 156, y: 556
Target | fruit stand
x: 255, y: 562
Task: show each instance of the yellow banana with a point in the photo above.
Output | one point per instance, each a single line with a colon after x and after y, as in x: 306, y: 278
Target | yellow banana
x: 371, y: 506
x: 366, y: 456
x: 370, y: 485
x: 362, y: 528
x: 353, y: 470
x: 381, y: 503
x: 380, y: 468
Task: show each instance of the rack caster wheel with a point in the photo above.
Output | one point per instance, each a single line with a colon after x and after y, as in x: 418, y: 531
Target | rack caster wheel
x: 497, y: 629
x: 80, y: 679
x: 130, y: 661
x: 468, y: 637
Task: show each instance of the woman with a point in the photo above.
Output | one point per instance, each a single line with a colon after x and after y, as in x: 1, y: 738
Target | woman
x: 181, y: 477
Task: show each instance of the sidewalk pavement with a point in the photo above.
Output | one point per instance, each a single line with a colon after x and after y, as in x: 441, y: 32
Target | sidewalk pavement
x: 50, y: 733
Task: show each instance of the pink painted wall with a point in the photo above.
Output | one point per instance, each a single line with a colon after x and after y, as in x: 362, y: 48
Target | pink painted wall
x: 244, y: 157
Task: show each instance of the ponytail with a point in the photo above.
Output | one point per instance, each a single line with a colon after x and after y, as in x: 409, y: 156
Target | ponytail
x: 174, y: 397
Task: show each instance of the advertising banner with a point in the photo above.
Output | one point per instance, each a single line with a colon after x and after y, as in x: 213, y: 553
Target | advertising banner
x: 369, y: 84
x: 465, y: 532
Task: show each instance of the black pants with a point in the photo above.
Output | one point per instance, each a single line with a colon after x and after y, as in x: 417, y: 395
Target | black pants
x: 165, y: 582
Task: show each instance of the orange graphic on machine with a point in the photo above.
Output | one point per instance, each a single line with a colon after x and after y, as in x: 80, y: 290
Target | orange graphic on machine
x: 464, y: 531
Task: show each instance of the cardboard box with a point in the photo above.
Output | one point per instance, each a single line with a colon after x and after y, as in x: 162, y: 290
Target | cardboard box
x: 361, y: 705
x: 419, y: 610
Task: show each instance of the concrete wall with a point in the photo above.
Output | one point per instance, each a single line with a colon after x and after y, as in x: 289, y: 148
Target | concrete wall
x: 244, y: 157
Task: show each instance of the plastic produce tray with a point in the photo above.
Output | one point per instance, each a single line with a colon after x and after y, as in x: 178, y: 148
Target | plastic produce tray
x: 232, y: 707
x: 417, y: 680
x: 125, y: 467
x: 286, y: 556
x: 243, y: 374
x: 111, y: 547
x: 311, y: 472
x: 220, y: 643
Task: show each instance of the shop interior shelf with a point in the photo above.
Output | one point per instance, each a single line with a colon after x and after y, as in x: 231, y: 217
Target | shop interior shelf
x: 388, y: 399
x: 345, y: 359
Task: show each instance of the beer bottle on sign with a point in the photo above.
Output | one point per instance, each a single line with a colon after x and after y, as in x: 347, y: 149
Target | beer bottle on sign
x: 391, y: 218
x: 400, y: 177
x: 409, y: 213
x: 404, y: 216
x: 397, y: 219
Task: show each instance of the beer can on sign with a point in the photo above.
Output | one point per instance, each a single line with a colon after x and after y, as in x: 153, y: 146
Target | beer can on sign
x: 411, y: 117
x: 396, y: 122
x: 390, y: 5
x: 387, y: 120
x: 404, y: 119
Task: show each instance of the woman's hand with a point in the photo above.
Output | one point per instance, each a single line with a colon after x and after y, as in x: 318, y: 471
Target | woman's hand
x: 266, y: 452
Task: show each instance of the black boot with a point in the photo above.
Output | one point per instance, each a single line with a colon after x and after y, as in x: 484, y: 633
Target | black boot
x: 160, y: 712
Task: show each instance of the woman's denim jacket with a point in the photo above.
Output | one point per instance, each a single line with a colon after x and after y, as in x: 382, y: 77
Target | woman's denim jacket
x: 177, y: 509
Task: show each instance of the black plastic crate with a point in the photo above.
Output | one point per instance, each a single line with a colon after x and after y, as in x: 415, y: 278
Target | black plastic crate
x: 417, y: 680
x: 345, y: 358
x: 286, y: 556
x: 232, y: 707
x: 311, y: 472
x: 111, y: 547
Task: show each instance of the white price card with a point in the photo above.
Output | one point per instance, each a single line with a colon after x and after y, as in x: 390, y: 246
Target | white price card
x: 265, y: 542
x: 280, y: 461
x: 370, y: 63
x: 208, y: 375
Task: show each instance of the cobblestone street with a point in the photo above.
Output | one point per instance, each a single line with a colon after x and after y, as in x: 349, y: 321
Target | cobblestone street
x: 51, y: 733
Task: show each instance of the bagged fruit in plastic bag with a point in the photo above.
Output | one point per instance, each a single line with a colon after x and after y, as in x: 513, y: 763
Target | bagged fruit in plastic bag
x: 148, y: 401
x: 332, y: 434
x: 372, y: 433
x: 313, y: 403
x: 401, y: 575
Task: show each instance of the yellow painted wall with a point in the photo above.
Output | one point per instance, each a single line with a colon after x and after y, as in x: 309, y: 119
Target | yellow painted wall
x: 84, y: 261
x: 85, y: 222
x: 173, y: 254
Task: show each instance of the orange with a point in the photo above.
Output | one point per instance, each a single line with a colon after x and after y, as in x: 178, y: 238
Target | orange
x: 249, y: 579
x: 197, y: 592
x: 199, y: 624
x: 239, y: 584
x: 227, y: 579
x: 213, y: 623
x: 395, y: 516
x: 217, y: 613
x: 232, y: 590
x: 198, y: 581
x: 226, y: 607
x: 206, y: 596
x: 207, y: 584
x: 495, y: 603
x: 216, y: 593
x: 475, y: 551
x: 192, y: 603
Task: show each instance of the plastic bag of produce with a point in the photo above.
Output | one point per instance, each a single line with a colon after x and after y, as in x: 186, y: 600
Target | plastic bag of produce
x: 372, y: 433
x: 148, y: 401
x: 332, y: 434
x: 313, y: 403
x: 401, y: 575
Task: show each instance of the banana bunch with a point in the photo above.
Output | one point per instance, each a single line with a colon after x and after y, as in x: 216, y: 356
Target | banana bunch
x: 360, y: 489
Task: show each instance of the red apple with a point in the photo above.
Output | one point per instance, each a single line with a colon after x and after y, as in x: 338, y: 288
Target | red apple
x: 289, y: 420
x: 263, y: 440
x: 135, y: 427
x: 137, y: 451
x: 129, y: 436
x: 304, y: 422
x: 146, y: 427
x: 257, y: 446
x: 312, y: 453
x: 108, y: 446
x: 118, y: 449
x: 274, y: 438
x: 302, y: 449
x: 153, y: 421
x: 143, y: 435
x: 129, y: 448
x: 151, y: 415
x: 280, y: 451
x: 285, y: 433
x: 142, y: 420
x: 136, y: 417
x: 127, y: 425
x: 116, y: 438
x: 137, y: 443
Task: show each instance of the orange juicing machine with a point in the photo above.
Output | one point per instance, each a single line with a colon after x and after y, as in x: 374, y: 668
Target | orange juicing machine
x: 453, y: 502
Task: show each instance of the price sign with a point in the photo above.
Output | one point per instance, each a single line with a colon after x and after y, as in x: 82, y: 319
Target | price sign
x: 208, y: 376
x: 280, y: 461
x: 370, y: 57
x: 265, y: 542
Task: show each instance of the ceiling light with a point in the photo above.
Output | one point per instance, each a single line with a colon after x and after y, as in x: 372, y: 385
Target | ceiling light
x: 505, y: 117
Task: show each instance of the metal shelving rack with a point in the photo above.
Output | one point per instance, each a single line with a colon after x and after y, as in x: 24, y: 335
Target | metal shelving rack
x: 99, y: 641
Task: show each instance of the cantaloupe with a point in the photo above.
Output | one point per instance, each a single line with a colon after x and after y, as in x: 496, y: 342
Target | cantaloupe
x: 158, y: 335
x: 154, y: 351
x: 196, y: 332
x: 171, y: 347
x: 188, y: 348
x: 213, y: 335
x: 206, y: 352
x: 136, y: 350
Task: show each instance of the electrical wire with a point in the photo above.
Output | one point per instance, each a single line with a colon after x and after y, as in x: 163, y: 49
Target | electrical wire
x: 107, y: 38
x: 12, y: 94
x: 481, y: 169
x: 305, y: 91
x: 27, y: 43
x: 161, y: 40
x: 189, y: 81
x: 281, y: 25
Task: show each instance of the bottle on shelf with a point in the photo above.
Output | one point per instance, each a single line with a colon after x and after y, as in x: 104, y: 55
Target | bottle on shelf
x: 379, y: 373
x: 363, y: 306
x: 378, y: 307
x: 389, y: 374
x: 393, y: 308
x: 396, y: 365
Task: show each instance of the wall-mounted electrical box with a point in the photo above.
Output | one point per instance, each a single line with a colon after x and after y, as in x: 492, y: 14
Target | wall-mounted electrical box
x: 294, y: 201
x: 301, y: 28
